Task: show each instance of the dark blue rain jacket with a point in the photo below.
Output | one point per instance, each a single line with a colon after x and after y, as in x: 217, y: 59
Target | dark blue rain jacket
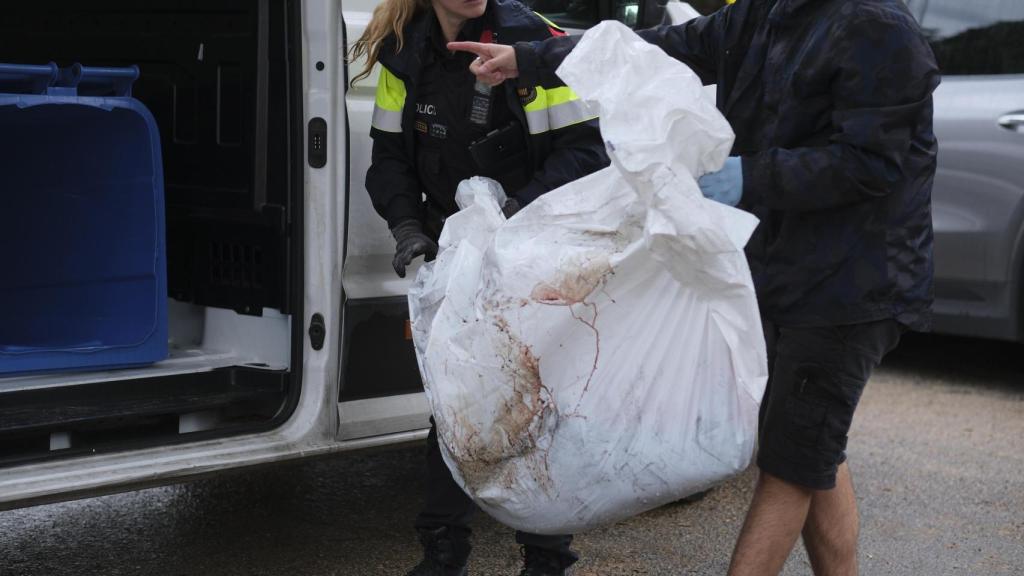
x: 831, y: 102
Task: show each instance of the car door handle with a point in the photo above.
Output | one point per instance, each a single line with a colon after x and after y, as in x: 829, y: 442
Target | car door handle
x: 1012, y: 121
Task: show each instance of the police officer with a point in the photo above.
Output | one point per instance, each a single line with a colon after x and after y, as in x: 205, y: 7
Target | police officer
x: 831, y: 102
x: 434, y: 125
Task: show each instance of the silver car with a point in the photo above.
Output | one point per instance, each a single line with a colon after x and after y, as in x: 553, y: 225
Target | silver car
x: 978, y: 197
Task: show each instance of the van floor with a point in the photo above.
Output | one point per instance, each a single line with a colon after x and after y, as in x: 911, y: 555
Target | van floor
x: 201, y: 340
x: 180, y: 361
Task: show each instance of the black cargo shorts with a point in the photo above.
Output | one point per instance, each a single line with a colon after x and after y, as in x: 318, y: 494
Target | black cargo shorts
x: 816, y: 377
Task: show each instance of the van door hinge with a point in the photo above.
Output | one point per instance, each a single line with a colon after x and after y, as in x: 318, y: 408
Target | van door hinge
x: 317, y: 331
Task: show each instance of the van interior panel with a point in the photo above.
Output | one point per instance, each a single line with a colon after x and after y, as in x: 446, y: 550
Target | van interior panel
x: 223, y: 80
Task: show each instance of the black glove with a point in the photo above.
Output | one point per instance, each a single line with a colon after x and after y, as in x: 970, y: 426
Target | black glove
x: 510, y: 208
x: 411, y: 242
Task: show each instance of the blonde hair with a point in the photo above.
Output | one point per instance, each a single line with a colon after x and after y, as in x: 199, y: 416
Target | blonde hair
x: 389, y: 17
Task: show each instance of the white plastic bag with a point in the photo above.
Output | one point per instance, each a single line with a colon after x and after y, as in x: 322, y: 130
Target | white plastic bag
x: 600, y: 353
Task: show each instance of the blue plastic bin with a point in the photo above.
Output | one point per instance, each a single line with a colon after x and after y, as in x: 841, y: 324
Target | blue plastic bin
x: 83, y: 281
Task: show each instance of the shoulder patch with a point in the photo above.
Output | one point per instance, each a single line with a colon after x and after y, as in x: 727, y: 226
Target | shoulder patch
x: 527, y: 95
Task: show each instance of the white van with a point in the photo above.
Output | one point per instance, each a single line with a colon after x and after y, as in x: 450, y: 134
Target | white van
x: 287, y: 326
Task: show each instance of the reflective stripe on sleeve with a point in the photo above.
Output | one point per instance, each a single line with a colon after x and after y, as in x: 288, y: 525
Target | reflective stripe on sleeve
x: 386, y: 120
x: 555, y: 108
x: 537, y: 121
x: 389, y: 103
x: 568, y: 113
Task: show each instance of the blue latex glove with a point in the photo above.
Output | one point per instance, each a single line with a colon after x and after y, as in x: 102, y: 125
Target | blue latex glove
x: 726, y: 185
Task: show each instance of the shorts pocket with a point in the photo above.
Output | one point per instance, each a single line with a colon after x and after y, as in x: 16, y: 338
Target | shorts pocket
x: 806, y: 420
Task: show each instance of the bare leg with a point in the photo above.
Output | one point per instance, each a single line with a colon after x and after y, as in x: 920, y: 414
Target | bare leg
x: 777, y: 514
x: 832, y: 527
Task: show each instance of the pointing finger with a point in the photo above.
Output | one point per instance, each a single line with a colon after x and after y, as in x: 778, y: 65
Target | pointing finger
x: 481, y: 50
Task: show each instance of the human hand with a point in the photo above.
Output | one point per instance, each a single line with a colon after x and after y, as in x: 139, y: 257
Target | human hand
x: 726, y: 185
x: 410, y: 243
x: 494, y: 64
x: 510, y: 208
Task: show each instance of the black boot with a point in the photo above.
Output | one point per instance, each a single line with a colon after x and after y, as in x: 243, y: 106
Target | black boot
x: 544, y: 562
x: 445, y: 552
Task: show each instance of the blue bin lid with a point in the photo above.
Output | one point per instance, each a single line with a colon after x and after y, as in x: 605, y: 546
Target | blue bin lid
x: 30, y: 79
x: 27, y: 78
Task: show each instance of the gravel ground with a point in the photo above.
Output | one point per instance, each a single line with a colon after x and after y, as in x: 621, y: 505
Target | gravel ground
x: 936, y: 454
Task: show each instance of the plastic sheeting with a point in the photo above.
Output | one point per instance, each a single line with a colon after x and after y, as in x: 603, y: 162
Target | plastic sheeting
x: 600, y: 353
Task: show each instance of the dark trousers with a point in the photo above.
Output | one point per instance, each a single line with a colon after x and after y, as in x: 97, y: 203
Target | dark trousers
x: 447, y: 505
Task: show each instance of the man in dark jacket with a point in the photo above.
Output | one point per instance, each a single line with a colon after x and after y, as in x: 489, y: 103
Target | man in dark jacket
x: 831, y: 104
